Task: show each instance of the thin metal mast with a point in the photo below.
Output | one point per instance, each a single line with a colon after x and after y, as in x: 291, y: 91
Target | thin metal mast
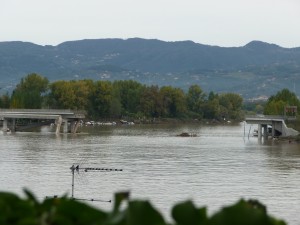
x: 77, y: 168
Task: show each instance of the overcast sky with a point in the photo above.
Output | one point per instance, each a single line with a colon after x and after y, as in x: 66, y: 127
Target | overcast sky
x: 224, y: 23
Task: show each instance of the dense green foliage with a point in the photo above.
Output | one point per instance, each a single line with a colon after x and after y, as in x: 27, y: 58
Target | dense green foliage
x: 276, y: 104
x: 254, y: 107
x: 29, y: 92
x: 128, y: 98
x: 65, y: 211
x: 105, y: 99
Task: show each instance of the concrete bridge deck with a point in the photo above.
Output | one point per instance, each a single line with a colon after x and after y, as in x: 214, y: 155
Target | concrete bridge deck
x: 276, y: 123
x: 59, y: 116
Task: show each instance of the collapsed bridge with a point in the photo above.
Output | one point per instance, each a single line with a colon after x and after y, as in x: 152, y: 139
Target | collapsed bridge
x: 69, y: 119
x: 277, y: 124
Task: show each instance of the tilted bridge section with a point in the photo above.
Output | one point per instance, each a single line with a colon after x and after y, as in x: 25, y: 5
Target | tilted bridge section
x: 276, y: 123
x: 60, y: 117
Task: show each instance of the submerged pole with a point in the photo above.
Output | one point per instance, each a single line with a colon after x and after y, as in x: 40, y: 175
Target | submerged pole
x: 72, y: 169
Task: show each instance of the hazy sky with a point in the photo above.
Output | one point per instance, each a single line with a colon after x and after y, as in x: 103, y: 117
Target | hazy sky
x: 214, y: 22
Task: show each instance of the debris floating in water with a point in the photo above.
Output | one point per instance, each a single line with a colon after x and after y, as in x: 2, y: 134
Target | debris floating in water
x: 185, y: 134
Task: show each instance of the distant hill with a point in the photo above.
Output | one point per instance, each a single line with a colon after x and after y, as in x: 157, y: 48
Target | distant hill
x: 252, y: 70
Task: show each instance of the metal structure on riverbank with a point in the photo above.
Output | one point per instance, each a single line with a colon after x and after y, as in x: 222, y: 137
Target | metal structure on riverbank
x: 68, y: 118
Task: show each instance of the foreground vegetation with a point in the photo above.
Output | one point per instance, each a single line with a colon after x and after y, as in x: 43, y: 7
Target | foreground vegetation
x: 65, y: 211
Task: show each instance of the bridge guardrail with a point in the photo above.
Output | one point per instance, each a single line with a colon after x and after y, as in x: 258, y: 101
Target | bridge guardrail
x: 270, y: 117
x: 51, y: 111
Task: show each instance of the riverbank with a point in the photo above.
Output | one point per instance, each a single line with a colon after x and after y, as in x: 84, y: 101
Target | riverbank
x: 290, y: 139
x: 184, y: 121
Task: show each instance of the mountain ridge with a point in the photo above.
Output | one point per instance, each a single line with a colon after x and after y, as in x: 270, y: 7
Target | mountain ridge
x: 151, y: 61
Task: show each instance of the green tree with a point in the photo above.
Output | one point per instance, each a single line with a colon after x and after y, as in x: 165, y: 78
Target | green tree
x: 129, y: 93
x: 30, y: 92
x: 82, y: 90
x: 211, y: 109
x: 70, y: 94
x: 173, y: 102
x: 5, y: 101
x: 195, y: 99
x: 150, y: 102
x: 62, y: 95
x: 101, y: 99
x: 231, y: 105
x: 275, y: 104
x: 275, y: 107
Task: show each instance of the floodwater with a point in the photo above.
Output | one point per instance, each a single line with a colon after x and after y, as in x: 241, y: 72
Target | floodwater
x: 218, y: 167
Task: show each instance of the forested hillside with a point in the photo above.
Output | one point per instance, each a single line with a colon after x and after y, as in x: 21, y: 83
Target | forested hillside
x: 252, y: 70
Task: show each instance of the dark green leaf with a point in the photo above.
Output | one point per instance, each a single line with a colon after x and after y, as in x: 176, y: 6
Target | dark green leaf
x: 187, y: 214
x: 143, y: 213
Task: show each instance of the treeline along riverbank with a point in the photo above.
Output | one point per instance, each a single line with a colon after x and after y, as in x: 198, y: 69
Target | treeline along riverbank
x: 123, y: 99
x: 128, y: 99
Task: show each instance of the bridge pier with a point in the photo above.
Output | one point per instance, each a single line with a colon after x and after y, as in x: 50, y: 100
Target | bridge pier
x: 4, y: 128
x: 58, y: 124
x: 259, y: 131
x: 74, y: 126
x: 65, y: 129
x: 265, y: 127
x: 13, y: 128
x: 263, y: 131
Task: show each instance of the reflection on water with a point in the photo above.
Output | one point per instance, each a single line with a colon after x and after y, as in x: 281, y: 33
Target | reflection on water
x: 217, y: 167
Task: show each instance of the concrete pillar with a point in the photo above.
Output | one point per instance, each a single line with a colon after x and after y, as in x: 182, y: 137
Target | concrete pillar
x: 282, y: 129
x: 259, y: 131
x: 76, y: 126
x: 273, y: 129
x: 13, y: 128
x: 265, y: 127
x: 65, y: 121
x: 58, y: 124
x: 4, y: 128
x: 72, y: 126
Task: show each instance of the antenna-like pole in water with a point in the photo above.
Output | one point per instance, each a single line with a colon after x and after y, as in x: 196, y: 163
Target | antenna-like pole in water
x: 73, y: 168
x: 87, y: 169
